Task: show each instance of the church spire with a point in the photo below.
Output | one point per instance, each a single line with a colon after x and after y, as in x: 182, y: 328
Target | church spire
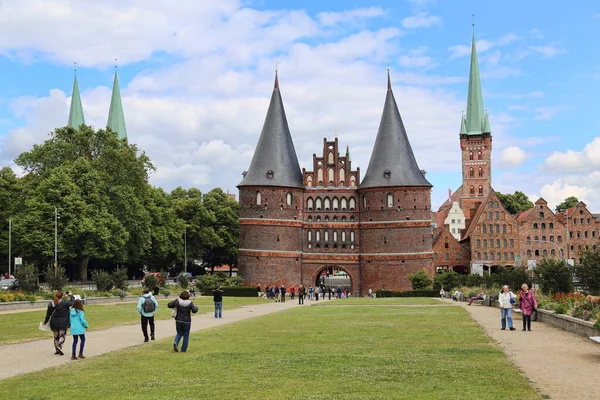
x: 274, y: 162
x: 475, y: 115
x: 463, y: 127
x: 116, y: 118
x: 392, y: 161
x: 76, y: 118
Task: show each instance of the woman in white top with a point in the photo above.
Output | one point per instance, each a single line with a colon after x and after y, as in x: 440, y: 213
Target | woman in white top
x: 506, y: 307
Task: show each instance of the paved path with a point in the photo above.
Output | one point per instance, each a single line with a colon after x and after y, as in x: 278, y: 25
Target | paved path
x: 558, y: 364
x: 34, y: 356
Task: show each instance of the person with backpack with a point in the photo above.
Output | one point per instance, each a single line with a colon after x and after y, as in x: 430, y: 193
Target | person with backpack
x: 58, y: 315
x: 147, y: 306
x: 183, y: 308
x: 218, y: 300
x: 78, y: 328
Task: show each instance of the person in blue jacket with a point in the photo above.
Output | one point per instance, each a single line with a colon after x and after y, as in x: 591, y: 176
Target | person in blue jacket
x: 147, y: 306
x: 78, y: 327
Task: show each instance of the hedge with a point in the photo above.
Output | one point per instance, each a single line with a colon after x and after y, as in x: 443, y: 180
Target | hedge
x: 238, y: 291
x: 407, y: 293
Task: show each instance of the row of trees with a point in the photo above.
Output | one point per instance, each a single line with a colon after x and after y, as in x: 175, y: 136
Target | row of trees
x: 518, y: 201
x: 109, y: 214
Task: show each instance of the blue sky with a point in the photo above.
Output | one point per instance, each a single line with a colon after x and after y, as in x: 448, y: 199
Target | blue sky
x: 196, y: 77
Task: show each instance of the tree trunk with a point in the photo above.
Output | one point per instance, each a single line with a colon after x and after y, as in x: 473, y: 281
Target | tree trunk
x: 212, y: 270
x: 230, y: 271
x: 83, y: 269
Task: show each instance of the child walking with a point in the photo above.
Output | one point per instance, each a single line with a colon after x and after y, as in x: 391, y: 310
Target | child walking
x: 78, y: 327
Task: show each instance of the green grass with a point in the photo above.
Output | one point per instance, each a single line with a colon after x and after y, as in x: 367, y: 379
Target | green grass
x: 23, y: 327
x: 388, y: 301
x: 303, y: 353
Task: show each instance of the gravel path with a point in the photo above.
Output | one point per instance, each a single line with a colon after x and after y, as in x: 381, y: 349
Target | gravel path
x: 559, y: 364
x: 34, y: 356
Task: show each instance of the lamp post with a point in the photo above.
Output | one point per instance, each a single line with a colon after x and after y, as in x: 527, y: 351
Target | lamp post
x: 560, y: 252
x: 9, y: 245
x: 185, y: 250
x: 56, y: 240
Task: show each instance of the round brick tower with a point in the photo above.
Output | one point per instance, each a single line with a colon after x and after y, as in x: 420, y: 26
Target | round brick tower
x: 395, y: 209
x: 271, y: 205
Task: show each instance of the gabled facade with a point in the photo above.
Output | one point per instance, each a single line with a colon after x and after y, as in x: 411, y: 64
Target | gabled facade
x: 583, y: 230
x: 455, y: 220
x: 541, y: 234
x: 448, y: 253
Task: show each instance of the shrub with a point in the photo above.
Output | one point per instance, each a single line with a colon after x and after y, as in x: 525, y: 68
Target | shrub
x: 448, y: 279
x: 554, y: 276
x: 56, y: 278
x: 164, y: 291
x: 475, y: 280
x: 119, y: 278
x: 28, y: 276
x: 513, y: 277
x: 420, y: 280
x: 234, y: 281
x: 103, y: 280
x: 588, y: 272
x: 405, y: 293
x: 183, y: 281
x: 560, y: 309
x: 151, y: 281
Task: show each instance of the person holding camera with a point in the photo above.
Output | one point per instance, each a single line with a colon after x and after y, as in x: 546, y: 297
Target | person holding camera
x: 527, y: 304
x: 58, y: 313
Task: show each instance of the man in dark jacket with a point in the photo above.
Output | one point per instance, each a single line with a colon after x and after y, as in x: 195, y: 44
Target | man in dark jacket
x: 301, y: 293
x: 283, y: 290
x: 183, y: 320
x: 58, y: 315
x: 218, y: 299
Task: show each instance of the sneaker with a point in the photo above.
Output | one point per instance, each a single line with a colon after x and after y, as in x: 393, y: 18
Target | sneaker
x: 81, y: 357
x: 152, y: 337
x: 511, y: 328
x: 145, y: 340
x: 523, y: 329
x: 503, y: 329
x: 73, y: 357
x: 175, y: 348
x: 59, y: 352
x: 528, y: 329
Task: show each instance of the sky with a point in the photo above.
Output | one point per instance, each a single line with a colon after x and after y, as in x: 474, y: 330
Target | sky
x: 196, y: 77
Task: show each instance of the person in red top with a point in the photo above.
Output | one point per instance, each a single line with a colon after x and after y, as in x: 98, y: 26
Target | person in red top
x: 527, y: 304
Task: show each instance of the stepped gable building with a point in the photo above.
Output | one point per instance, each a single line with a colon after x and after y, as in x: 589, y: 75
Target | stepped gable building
x: 296, y: 224
x: 473, y: 215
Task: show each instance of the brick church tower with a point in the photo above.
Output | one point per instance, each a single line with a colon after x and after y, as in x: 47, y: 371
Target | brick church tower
x: 475, y: 144
x: 271, y: 195
x: 395, y: 213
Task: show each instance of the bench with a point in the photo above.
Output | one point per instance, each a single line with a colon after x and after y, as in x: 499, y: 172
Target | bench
x: 595, y: 338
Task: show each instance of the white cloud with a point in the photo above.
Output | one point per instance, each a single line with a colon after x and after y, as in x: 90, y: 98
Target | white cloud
x: 349, y: 16
x: 511, y: 157
x: 546, y: 51
x: 420, y: 20
x: 547, y: 113
x: 586, y: 160
x: 482, y: 45
x: 555, y: 193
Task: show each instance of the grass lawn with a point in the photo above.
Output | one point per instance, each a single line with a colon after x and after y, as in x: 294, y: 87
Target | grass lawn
x: 303, y: 353
x: 388, y: 301
x: 23, y: 327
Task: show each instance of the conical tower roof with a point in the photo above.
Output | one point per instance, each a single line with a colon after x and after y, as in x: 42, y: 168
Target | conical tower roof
x: 392, y: 161
x: 76, y: 118
x: 475, y: 110
x: 116, y: 118
x: 274, y: 162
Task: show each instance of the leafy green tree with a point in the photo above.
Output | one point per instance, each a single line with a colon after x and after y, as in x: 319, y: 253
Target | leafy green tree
x: 56, y: 278
x: 588, y: 271
x: 420, y: 280
x: 554, y: 276
x: 103, y: 280
x: 513, y: 277
x: 99, y: 183
x: 119, y: 278
x: 151, y: 281
x: 569, y: 202
x: 10, y: 191
x: 513, y: 203
x: 226, y: 212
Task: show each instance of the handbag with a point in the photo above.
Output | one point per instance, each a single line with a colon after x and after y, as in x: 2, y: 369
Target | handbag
x: 174, y: 312
x: 512, y: 301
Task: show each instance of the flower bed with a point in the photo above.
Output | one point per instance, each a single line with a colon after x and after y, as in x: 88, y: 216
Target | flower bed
x: 576, y: 305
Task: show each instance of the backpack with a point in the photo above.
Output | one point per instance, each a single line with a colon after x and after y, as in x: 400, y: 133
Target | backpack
x: 148, y: 305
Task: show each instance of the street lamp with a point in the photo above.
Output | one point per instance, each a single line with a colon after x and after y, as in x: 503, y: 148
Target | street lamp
x: 9, y: 245
x: 56, y: 239
x: 560, y: 252
x: 185, y: 249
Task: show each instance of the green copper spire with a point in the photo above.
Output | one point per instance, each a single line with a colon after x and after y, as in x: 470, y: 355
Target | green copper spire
x: 116, y: 119
x: 76, y: 112
x: 486, y: 124
x: 475, y: 116
x: 463, y: 127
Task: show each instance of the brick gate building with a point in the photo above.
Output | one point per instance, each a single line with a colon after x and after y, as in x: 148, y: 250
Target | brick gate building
x: 295, y: 224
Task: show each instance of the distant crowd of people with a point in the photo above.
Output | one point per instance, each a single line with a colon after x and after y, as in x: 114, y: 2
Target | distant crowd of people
x: 279, y: 293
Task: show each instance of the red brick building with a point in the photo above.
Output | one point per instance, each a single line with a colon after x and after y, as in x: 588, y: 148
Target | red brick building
x: 296, y: 224
x: 493, y: 237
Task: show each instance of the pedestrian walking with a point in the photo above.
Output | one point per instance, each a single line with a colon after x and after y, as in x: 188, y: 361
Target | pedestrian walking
x: 183, y: 308
x: 301, y: 295
x: 218, y: 300
x: 283, y: 292
x: 311, y: 293
x: 292, y: 293
x: 527, y: 304
x: 329, y: 293
x: 506, y: 298
x: 58, y: 315
x: 317, y: 293
x: 78, y: 328
x: 147, y: 306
